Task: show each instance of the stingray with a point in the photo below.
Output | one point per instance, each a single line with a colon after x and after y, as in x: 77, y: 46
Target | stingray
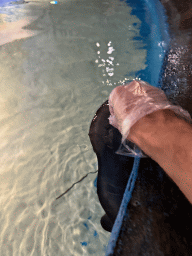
x: 159, y: 216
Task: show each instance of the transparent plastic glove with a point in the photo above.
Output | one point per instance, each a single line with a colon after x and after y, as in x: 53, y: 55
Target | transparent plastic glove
x: 129, y: 103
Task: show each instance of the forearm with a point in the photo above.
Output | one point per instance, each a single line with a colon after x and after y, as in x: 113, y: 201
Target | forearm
x: 167, y: 139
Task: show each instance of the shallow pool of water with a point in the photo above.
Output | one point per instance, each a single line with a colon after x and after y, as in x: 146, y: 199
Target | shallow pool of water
x: 54, y: 75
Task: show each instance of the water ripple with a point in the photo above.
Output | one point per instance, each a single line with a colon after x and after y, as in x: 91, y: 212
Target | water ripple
x: 51, y: 86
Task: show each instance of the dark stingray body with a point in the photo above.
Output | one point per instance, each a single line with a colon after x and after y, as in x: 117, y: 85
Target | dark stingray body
x: 159, y: 216
x: 113, y: 173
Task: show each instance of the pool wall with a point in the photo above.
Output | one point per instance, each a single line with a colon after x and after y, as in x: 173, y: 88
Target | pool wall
x: 155, y: 35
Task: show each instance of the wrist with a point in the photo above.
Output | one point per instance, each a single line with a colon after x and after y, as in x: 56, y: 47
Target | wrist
x: 156, y: 133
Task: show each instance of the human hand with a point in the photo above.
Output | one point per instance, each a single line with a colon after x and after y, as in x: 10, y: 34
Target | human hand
x: 129, y: 103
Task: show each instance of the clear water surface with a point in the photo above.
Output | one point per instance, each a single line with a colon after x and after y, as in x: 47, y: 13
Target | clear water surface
x: 54, y: 74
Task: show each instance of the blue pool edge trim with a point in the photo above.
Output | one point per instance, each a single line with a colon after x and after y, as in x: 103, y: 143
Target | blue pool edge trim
x: 156, y: 57
x: 122, y: 211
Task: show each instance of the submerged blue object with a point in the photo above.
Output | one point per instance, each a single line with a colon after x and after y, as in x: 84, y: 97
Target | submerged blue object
x: 84, y: 243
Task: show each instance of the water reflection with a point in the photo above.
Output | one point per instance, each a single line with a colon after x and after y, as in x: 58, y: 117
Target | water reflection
x: 51, y: 86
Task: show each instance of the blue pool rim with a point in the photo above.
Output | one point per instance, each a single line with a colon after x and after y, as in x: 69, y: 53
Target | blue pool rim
x: 155, y: 14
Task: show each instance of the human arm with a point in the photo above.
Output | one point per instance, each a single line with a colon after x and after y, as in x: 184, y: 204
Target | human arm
x: 167, y: 139
x: 144, y: 116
